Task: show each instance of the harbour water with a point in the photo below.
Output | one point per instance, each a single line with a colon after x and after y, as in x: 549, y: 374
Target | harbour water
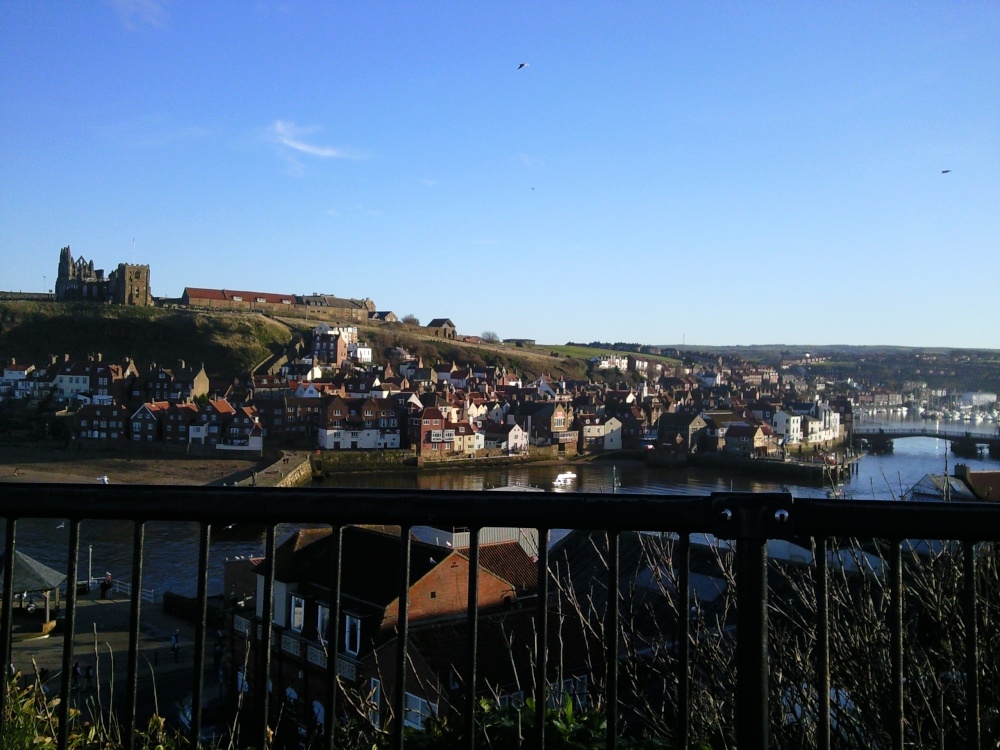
x: 172, y: 548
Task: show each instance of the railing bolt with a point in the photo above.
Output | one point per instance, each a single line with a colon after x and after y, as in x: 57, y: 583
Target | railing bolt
x: 781, y: 516
x: 726, y: 514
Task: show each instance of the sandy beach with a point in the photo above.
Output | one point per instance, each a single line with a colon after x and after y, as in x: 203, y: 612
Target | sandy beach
x: 42, y: 464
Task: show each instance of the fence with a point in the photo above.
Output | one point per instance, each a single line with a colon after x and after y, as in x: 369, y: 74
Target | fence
x: 749, y: 521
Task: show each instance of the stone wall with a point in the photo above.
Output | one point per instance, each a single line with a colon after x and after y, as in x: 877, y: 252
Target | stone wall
x: 330, y: 462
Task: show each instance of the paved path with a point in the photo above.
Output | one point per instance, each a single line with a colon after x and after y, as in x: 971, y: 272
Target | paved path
x: 101, y: 641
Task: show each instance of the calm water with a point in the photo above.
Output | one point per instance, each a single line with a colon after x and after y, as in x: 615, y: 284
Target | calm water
x: 172, y: 549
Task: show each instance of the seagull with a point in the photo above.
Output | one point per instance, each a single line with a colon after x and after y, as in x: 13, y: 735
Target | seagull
x: 945, y: 171
x: 523, y: 65
x: 62, y: 525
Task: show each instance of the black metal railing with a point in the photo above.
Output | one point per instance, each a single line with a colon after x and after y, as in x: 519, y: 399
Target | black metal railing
x: 748, y: 518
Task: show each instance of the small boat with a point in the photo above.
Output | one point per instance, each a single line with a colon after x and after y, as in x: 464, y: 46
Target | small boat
x: 564, y: 479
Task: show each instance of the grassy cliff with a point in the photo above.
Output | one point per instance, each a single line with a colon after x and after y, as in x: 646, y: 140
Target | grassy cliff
x: 227, y: 343
x: 231, y: 343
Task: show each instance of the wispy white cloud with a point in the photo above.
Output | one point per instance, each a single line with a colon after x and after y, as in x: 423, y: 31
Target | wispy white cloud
x: 292, y: 136
x: 136, y: 13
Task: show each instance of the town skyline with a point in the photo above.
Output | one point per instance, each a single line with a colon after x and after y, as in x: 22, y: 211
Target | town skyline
x: 670, y: 174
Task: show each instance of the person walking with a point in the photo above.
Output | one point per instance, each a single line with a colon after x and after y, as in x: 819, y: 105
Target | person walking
x: 76, y: 675
x: 106, y: 585
x: 175, y: 644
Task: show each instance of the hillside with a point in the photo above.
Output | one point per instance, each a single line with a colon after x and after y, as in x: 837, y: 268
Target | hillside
x: 227, y: 343
x: 528, y: 362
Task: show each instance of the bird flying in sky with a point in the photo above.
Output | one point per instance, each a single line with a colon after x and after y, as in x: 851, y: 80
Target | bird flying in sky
x: 523, y: 65
x: 945, y: 171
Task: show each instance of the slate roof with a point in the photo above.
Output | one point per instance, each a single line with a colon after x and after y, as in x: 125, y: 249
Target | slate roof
x: 31, y: 575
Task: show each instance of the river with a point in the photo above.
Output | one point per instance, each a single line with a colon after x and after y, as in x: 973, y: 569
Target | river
x: 172, y: 549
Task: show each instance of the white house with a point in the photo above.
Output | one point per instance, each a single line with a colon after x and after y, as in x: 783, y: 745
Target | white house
x: 609, y: 362
x: 15, y: 379
x: 360, y: 353
x: 509, y: 437
x: 348, y: 333
x: 358, y: 439
x: 788, y: 427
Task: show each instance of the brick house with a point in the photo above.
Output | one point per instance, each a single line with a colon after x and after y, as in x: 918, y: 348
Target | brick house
x: 749, y: 440
x: 547, y: 422
x: 106, y: 424
x: 180, y: 424
x: 691, y: 428
x: 147, y: 423
x: 215, y: 417
x: 181, y: 384
x: 359, y: 424
x: 303, y: 649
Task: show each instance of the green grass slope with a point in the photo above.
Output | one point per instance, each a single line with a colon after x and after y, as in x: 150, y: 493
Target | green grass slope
x: 227, y: 343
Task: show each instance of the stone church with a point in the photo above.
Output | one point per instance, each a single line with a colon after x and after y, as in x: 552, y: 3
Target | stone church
x: 79, y: 281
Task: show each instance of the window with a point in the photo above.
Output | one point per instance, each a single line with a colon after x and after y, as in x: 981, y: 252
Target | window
x: 515, y: 699
x: 374, y: 700
x: 352, y: 635
x: 322, y: 621
x: 572, y: 688
x: 298, y: 613
x: 416, y: 710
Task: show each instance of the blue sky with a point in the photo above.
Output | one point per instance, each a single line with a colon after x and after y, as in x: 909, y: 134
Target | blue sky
x: 664, y: 173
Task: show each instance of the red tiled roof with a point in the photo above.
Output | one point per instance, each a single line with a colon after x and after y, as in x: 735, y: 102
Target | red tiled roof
x: 985, y: 484
x: 509, y: 561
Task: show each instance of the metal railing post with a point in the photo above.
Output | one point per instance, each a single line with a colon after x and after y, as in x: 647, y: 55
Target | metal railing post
x: 542, y: 638
x: 132, y: 679
x: 402, y: 638
x: 820, y: 548
x: 611, y: 626
x: 752, y: 519
x: 6, y: 615
x: 67, y: 688
x: 896, y: 643
x: 332, y: 636
x: 262, y: 681
x: 683, y: 646
x: 473, y: 639
x: 970, y: 605
x: 198, y: 683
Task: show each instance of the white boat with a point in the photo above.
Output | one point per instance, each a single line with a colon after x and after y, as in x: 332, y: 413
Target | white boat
x: 563, y: 479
